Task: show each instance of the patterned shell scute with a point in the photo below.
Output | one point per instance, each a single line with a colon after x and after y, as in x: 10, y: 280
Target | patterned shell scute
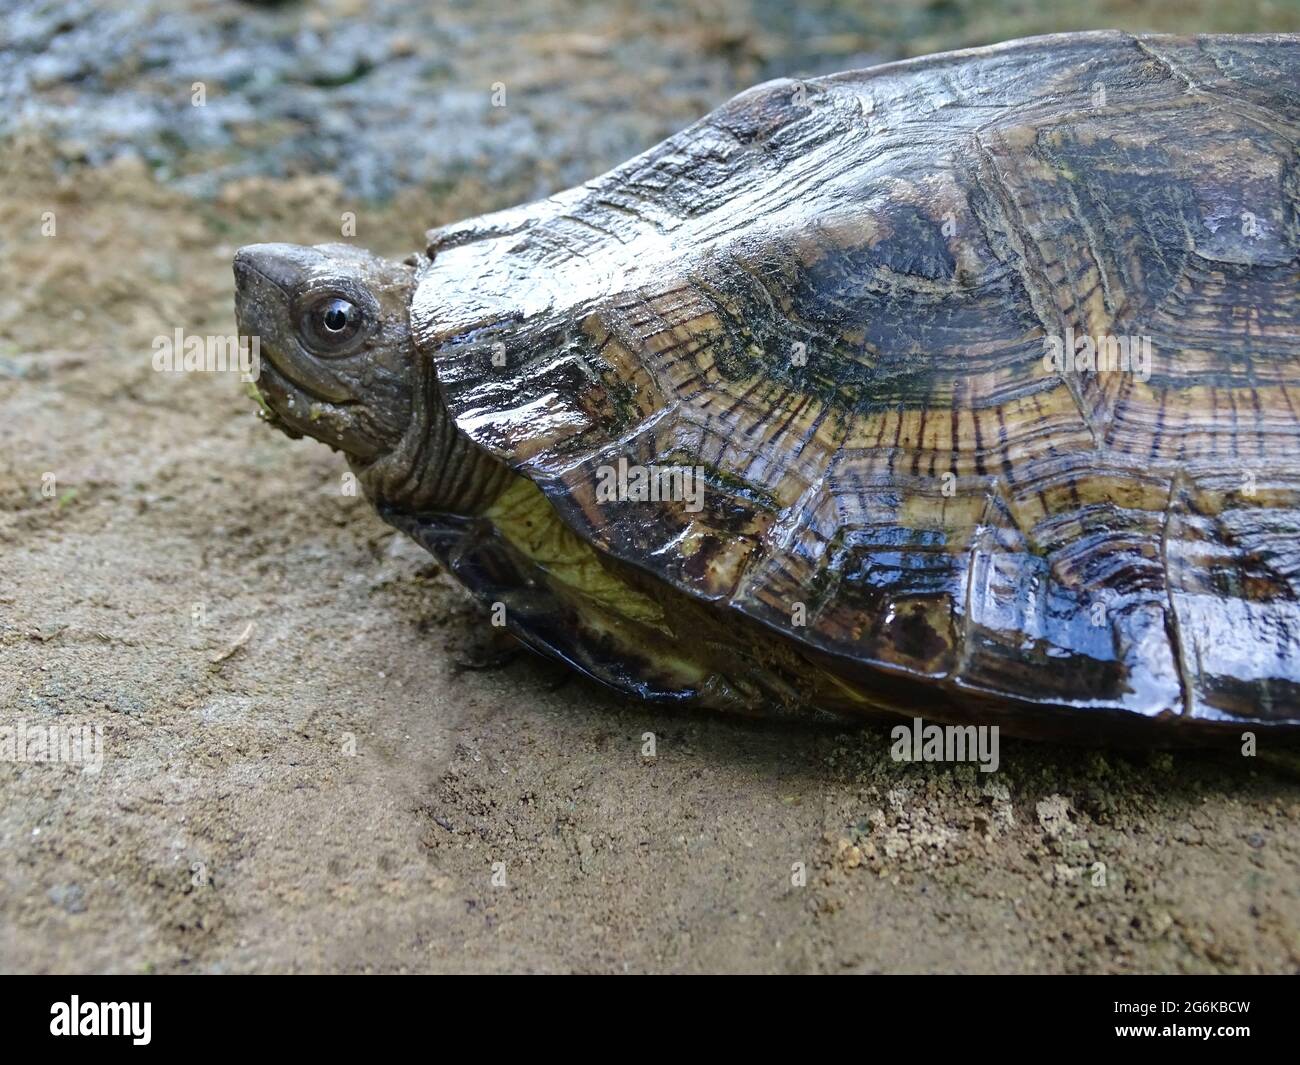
x: 836, y: 300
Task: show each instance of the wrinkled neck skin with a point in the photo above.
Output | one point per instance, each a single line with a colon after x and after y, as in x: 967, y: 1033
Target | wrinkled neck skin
x: 435, y: 468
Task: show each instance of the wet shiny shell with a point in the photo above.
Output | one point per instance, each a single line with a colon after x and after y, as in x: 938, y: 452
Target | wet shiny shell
x: 836, y: 297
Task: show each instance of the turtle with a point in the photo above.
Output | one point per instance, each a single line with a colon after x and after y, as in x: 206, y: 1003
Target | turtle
x: 958, y: 387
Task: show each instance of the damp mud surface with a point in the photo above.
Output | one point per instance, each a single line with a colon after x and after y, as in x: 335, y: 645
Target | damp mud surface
x: 299, y: 770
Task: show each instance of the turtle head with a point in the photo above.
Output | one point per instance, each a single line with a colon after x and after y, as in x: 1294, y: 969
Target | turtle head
x: 334, y: 339
x: 338, y: 364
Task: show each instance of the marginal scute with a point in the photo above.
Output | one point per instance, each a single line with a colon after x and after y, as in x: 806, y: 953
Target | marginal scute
x: 835, y: 300
x: 1068, y: 574
x: 1234, y: 583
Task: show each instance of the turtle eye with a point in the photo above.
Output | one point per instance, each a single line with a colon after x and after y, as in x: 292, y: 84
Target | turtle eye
x: 331, y: 324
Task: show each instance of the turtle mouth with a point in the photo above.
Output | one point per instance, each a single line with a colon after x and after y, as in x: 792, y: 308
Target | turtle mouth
x: 281, y: 403
x: 297, y: 412
x: 268, y: 414
x: 299, y: 367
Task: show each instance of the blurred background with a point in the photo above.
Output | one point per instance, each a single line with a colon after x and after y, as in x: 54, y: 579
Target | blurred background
x: 298, y: 773
x: 387, y: 94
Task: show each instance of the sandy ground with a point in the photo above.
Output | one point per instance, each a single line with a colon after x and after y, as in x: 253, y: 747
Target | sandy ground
x: 330, y: 789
